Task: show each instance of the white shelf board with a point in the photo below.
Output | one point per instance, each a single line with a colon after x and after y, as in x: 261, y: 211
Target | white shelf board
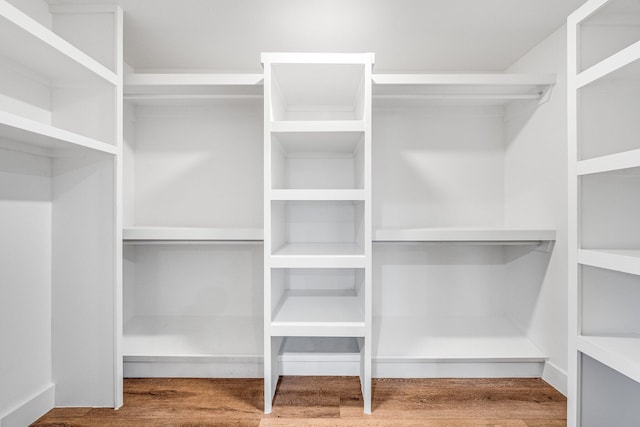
x: 328, y: 195
x: 161, y: 85
x: 191, y: 234
x: 193, y: 337
x: 317, y: 58
x: 450, y: 338
x: 32, y: 45
x: 317, y: 126
x: 318, y: 255
x: 299, y: 314
x: 492, y: 87
x: 24, y: 134
x: 619, y: 353
x: 498, y: 235
x: 623, y: 260
x: 303, y: 143
x: 610, y: 163
x: 619, y: 64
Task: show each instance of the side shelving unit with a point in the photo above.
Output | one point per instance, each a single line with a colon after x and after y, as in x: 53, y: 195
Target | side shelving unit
x: 449, y: 267
x: 604, y: 207
x: 193, y: 225
x: 59, y: 156
x: 317, y: 214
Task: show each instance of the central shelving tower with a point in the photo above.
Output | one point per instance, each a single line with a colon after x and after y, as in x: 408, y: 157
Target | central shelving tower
x: 317, y: 212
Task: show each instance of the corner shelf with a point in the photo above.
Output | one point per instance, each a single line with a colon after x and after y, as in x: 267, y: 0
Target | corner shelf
x: 477, y: 235
x: 190, y: 234
x: 23, y: 134
x: 40, y: 50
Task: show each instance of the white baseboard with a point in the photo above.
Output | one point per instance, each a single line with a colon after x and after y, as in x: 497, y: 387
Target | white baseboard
x: 31, y: 409
x: 193, y: 367
x: 556, y: 377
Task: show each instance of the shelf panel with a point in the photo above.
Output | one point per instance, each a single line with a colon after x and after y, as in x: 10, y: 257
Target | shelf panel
x: 319, y: 255
x: 28, y: 135
x: 150, y: 234
x: 301, y: 314
x: 497, y: 235
x: 328, y: 195
x: 193, y: 336
x: 158, y: 86
x: 499, y: 88
x: 318, y: 126
x: 451, y: 338
x: 30, y: 44
x: 609, y: 163
x: 623, y: 260
x: 610, y: 65
x: 619, y: 353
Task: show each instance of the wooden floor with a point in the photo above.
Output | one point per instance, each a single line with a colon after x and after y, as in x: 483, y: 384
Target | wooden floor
x: 326, y: 401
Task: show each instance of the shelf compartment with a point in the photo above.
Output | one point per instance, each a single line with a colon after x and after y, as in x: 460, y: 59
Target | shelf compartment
x: 185, y: 234
x: 320, y: 356
x: 622, y: 260
x: 317, y: 228
x: 150, y: 86
x: 318, y: 195
x: 486, y: 88
x: 318, y: 314
x: 38, y: 49
x: 489, y: 235
x: 607, y: 31
x: 318, y: 126
x: 452, y: 338
x: 608, y: 108
x: 325, y: 90
x: 191, y: 337
x: 23, y: 134
x: 620, y: 353
x: 325, y: 160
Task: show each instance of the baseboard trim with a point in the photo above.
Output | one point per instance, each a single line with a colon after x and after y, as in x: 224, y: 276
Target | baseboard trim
x: 556, y: 377
x: 31, y: 409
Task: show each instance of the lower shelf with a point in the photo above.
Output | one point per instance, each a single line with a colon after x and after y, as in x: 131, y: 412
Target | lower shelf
x: 619, y: 353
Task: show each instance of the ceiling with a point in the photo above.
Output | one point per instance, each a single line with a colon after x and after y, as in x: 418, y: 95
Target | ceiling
x: 405, y: 35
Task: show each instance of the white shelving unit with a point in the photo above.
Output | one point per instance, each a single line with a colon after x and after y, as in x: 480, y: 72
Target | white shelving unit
x: 199, y: 136
x: 604, y: 180
x: 59, y: 190
x: 317, y: 213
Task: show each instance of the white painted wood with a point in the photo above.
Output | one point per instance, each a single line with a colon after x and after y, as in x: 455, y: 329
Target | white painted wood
x: 317, y: 126
x: 610, y: 163
x: 486, y: 234
x: 39, y: 49
x: 619, y: 353
x: 193, y: 367
x: 50, y: 140
x: 609, y: 65
x: 32, y: 409
x: 191, y: 234
x: 163, y: 85
x: 451, y: 339
x: 319, y: 195
x: 623, y: 260
x: 453, y: 369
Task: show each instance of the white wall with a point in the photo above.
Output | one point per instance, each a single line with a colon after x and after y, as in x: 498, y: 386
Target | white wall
x: 25, y: 283
x: 536, y: 195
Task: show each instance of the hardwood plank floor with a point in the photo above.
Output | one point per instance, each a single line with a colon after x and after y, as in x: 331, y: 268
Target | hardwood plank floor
x: 325, y: 401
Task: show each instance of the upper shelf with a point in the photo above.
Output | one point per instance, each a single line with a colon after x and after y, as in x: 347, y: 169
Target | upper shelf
x: 492, y: 89
x: 33, y: 46
x: 28, y: 135
x: 623, y: 260
x: 610, y: 163
x: 498, y: 235
x: 178, y: 234
x: 151, y: 87
x: 620, y: 353
x: 622, y: 64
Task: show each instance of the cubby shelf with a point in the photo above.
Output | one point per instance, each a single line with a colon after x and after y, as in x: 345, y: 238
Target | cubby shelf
x: 162, y: 234
x: 619, y: 353
x: 610, y: 65
x: 317, y: 126
x: 493, y: 88
x: 318, y: 315
x: 23, y: 134
x: 319, y: 255
x: 451, y: 338
x: 320, y: 195
x: 498, y: 235
x: 623, y: 260
x: 30, y: 44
